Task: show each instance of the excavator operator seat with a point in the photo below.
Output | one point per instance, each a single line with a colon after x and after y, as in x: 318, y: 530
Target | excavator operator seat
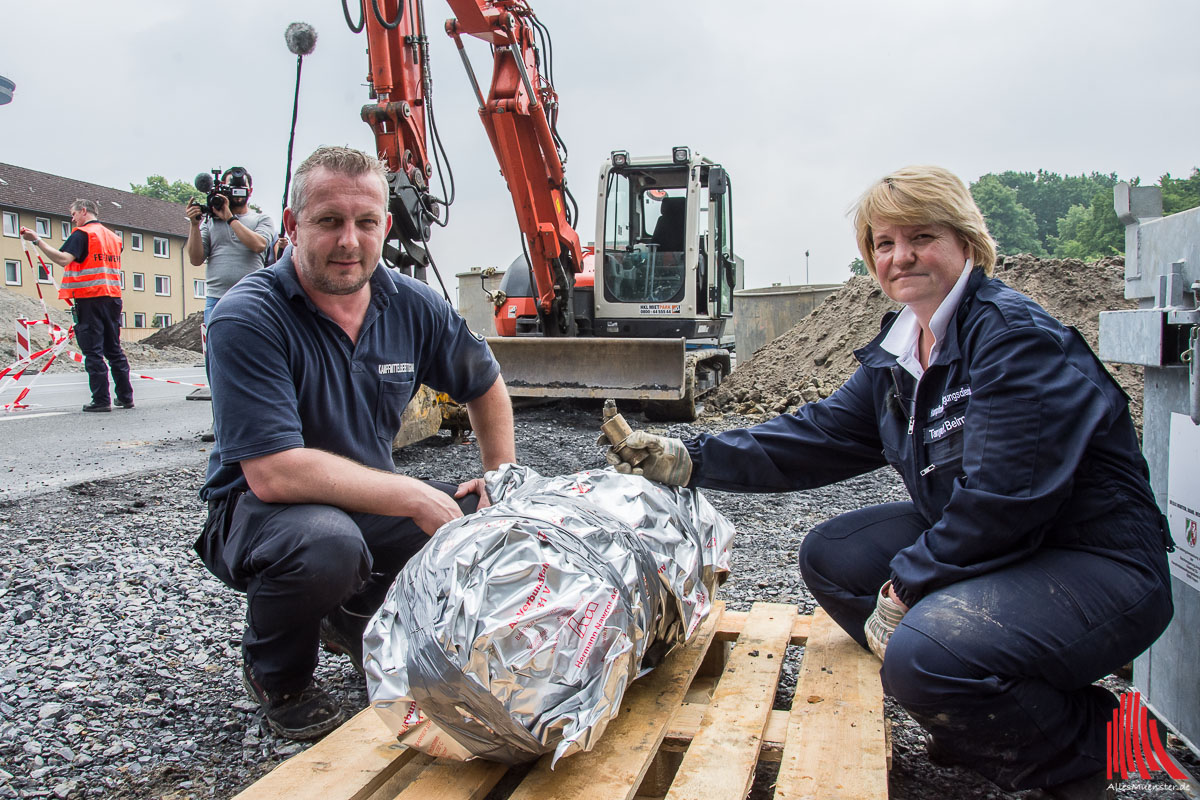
x: 671, y: 228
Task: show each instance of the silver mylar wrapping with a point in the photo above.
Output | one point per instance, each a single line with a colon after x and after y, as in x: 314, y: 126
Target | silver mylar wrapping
x: 516, y: 630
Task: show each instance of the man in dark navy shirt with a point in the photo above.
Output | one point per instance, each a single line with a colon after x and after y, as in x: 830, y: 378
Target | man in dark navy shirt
x: 315, y: 360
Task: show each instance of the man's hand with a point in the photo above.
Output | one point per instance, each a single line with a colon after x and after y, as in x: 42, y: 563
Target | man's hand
x: 476, y: 486
x: 435, y: 508
x: 193, y: 213
x: 224, y: 212
x: 657, y: 458
x: 28, y: 235
x: 883, y: 620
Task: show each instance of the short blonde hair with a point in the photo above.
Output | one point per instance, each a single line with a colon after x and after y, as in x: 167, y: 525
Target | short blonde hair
x: 923, y: 195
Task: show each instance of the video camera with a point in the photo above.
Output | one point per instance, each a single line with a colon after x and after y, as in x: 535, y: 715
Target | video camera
x: 218, y: 193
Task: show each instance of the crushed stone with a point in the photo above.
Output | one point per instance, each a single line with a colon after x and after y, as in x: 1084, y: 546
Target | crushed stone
x: 120, y: 655
x: 184, y: 334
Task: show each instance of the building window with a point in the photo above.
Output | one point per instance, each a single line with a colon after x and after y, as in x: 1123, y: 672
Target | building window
x: 12, y: 273
x: 198, y: 290
x: 11, y: 226
x: 162, y: 320
x: 66, y: 230
x: 122, y: 283
x: 136, y: 241
x: 43, y: 227
x: 139, y: 285
x: 45, y: 273
x: 139, y: 319
x: 121, y: 236
x: 162, y: 248
x: 122, y: 319
x: 162, y: 285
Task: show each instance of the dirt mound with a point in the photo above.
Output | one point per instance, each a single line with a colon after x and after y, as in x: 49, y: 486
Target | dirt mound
x: 13, y: 305
x: 812, y: 359
x: 184, y: 334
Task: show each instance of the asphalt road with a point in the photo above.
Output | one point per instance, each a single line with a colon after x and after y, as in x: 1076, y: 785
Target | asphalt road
x: 52, y: 443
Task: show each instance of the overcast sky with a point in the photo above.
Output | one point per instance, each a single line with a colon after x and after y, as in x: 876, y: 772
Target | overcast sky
x: 804, y: 103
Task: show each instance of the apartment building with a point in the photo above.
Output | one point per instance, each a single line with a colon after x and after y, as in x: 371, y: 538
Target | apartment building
x: 159, y: 285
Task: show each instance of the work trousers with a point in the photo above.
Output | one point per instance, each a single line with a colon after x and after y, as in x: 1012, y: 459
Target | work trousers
x: 98, y: 332
x: 999, y: 668
x: 299, y: 563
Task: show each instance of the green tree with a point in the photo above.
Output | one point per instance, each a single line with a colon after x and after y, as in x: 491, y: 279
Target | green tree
x: 1011, y: 224
x: 156, y: 186
x: 858, y: 267
x: 1049, y: 196
x: 1180, y: 194
x: 1092, y: 231
x: 1071, y: 231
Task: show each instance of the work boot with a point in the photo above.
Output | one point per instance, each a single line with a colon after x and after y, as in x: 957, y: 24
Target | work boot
x: 1092, y: 787
x: 342, y: 633
x: 94, y: 406
x: 307, y: 714
x: 125, y: 403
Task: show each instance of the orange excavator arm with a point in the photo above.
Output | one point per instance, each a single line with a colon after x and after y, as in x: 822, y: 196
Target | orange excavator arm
x: 518, y: 114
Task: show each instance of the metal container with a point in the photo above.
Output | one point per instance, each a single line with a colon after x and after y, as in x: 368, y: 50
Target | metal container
x: 762, y: 314
x: 473, y: 302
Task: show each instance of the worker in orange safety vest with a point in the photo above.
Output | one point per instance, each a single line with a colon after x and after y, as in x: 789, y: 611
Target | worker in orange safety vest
x: 91, y: 262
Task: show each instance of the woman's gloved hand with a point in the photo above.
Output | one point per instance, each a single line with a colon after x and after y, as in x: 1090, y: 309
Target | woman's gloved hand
x: 883, y: 620
x: 657, y: 458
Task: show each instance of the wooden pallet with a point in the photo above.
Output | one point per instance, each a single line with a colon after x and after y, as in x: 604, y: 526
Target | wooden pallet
x: 693, y: 728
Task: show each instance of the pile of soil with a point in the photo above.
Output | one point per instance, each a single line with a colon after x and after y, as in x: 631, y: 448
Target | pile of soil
x: 184, y: 334
x: 141, y: 354
x: 816, y: 356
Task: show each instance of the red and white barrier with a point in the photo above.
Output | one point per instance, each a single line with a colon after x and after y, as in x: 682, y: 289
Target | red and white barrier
x: 59, y: 339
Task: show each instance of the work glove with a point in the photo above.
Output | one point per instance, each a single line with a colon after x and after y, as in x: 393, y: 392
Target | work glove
x: 657, y: 458
x: 883, y: 621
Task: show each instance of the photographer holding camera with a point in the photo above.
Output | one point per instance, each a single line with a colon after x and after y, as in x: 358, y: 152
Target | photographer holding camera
x: 226, y: 233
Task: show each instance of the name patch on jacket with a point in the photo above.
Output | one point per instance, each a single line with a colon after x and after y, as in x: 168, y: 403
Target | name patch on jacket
x: 951, y: 397
x: 395, y: 369
x: 938, y: 432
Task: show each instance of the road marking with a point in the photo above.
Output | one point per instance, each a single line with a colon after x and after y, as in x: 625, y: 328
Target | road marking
x: 18, y: 415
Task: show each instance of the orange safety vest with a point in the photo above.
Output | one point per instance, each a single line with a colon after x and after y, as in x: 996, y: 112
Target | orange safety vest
x: 98, y: 275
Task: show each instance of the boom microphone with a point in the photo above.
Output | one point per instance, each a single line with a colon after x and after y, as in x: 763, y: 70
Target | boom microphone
x: 301, y: 38
x: 204, y: 182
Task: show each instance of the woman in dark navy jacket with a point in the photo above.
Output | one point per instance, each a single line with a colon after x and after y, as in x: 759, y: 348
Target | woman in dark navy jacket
x: 1031, y: 558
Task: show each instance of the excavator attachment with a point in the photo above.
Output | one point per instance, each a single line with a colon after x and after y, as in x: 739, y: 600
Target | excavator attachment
x: 422, y: 417
x: 555, y: 366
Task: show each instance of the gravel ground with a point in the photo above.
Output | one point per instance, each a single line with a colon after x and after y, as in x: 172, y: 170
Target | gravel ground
x: 119, y: 653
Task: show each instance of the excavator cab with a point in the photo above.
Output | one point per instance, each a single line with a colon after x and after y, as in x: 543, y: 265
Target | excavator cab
x: 665, y: 265
x: 653, y: 305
